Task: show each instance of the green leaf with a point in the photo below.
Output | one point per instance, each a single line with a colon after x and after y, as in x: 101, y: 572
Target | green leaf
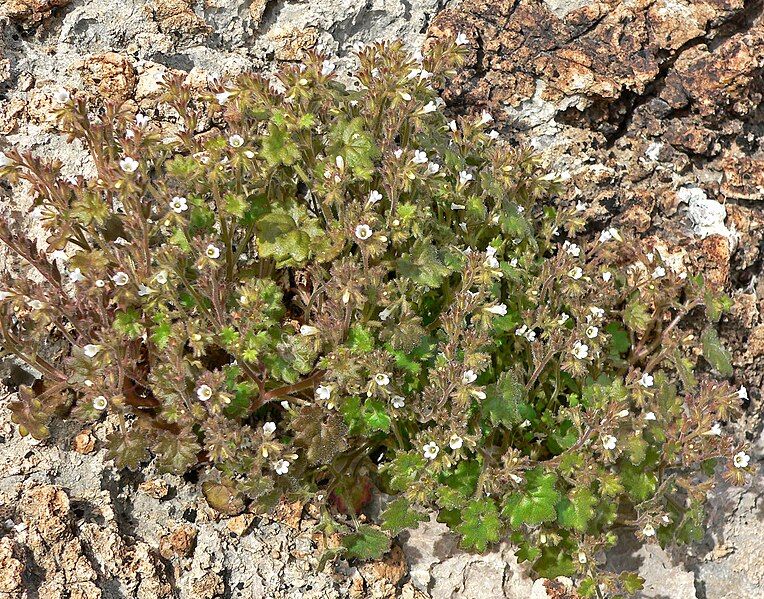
x: 636, y: 316
x: 554, y: 561
x: 632, y: 582
x: 356, y: 146
x: 278, y: 237
x: 374, y: 415
x: 619, y: 338
x: 127, y: 449
x: 504, y: 399
x: 639, y: 484
x: 423, y: 265
x: 278, y: 147
x: 536, y: 504
x: 715, y: 353
x: 360, y: 339
x: 366, y: 543
x: 684, y: 369
x: 399, y: 516
x: 480, y: 524
x: 179, y: 238
x: 404, y: 470
x: 177, y: 452
x: 128, y: 322
x: 577, y: 509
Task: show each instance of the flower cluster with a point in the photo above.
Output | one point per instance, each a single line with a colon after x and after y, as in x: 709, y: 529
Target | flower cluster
x: 338, y: 289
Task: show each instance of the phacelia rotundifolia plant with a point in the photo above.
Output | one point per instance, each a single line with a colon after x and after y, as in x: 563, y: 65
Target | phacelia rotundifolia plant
x: 340, y: 290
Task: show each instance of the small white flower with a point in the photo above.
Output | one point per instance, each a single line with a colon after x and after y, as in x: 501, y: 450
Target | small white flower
x: 431, y: 106
x: 323, y: 392
x: 479, y: 394
x: 431, y: 450
x: 490, y: 260
x: 580, y: 350
x: 144, y: 290
x: 327, y: 67
x: 741, y: 459
x: 516, y: 479
x: 178, y: 204
x: 91, y: 350
x: 582, y: 557
x: 363, y: 231
x: 455, y: 442
x: 35, y: 304
x: 204, y: 392
x: 413, y: 74
x: 647, y: 380
x: 659, y: 272
x: 575, y: 273
x: 161, y: 277
x: 385, y: 314
x: 61, y: 96
x: 433, y: 168
x: 493, y: 134
x: 520, y: 331
x: 457, y: 206
x: 340, y: 162
x: 398, y: 402
x: 564, y: 317
x: 382, y: 379
x: 596, y: 311
x: 715, y: 430
x: 398, y: 153
x: 498, y: 309
x: 452, y: 125
x: 4, y: 160
x: 284, y: 404
x: 606, y: 276
x: 76, y: 276
x: 609, y: 442
x: 465, y: 177
x: 212, y: 252
x: 742, y: 393
x: 374, y: 197
x: 236, y: 141
x: 650, y: 416
x: 581, y: 206
x: 4, y: 295
x: 461, y: 39
x: 469, y: 377
x: 269, y: 428
x: 120, y: 278
x: 405, y: 95
x: 608, y: 234
x: 307, y: 330
x: 420, y: 157
x: 281, y: 467
x: 100, y: 283
x: 222, y: 97
x: 100, y: 403
x: 592, y: 332
x: 623, y: 413
x: 485, y: 118
x: 128, y: 164
x: 121, y: 241
x: 648, y: 530
x: 572, y: 249
x: 141, y: 120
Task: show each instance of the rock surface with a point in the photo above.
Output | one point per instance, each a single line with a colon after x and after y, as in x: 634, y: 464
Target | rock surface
x: 650, y: 108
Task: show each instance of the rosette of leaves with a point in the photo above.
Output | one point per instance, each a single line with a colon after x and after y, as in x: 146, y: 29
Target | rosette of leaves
x: 339, y: 290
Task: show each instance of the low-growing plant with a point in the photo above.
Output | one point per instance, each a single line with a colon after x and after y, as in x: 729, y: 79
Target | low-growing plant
x: 337, y: 290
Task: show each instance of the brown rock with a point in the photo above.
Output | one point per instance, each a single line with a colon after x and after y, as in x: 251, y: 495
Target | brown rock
x: 11, y: 568
x: 292, y: 44
x: 179, y: 543
x: 84, y: 442
x: 209, y: 586
x: 755, y: 344
x: 240, y: 524
x: 108, y: 76
x: 391, y: 569
x: 177, y: 17
x: 155, y: 487
x: 31, y: 12
x: 257, y: 11
x: 289, y: 513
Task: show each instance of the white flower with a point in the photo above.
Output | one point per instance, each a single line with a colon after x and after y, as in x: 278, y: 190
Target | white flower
x: 575, y: 273
x: 647, y: 380
x: 742, y: 393
x: 405, y: 95
x: 385, y: 314
x: 581, y: 206
x: 284, y: 404
x: 398, y: 402
x: 120, y: 278
x: 648, y: 530
x: 431, y: 106
x: 141, y: 120
x: 204, y: 392
x: 623, y: 413
x: 307, y: 330
x: 465, y: 177
x: 455, y: 442
x: 596, y: 311
x: 659, y: 272
x: 36, y: 304
x: 212, y: 252
x: 420, y: 157
x: 91, y: 350
x: 236, y: 141
x: 520, y: 331
x: 469, y: 377
x: 608, y: 234
x: 4, y: 160
x: 609, y: 442
x: 363, y: 231
x: 76, y: 276
x: 413, y: 74
x: 485, y: 118
x: 382, y: 379
x: 592, y: 332
x: 144, y: 290
x: 650, y: 416
x: 128, y: 164
x: 741, y: 459
x: 433, y: 168
x: 161, y: 277
x: 100, y: 403
x: 281, y: 467
x: 374, y: 197
x: 4, y: 295
x: 498, y: 309
x: 580, y: 350
x: 327, y: 67
x: 339, y: 161
x: 461, y: 39
x: 452, y: 125
x: 715, y: 430
x: 606, y: 276
x: 61, y: 96
x: 269, y: 428
x: 490, y: 257
x: 431, y: 450
x: 222, y: 97
x: 493, y: 134
x: 479, y: 394
x: 323, y: 392
x: 100, y: 283
x: 398, y: 153
x: 457, y: 206
x: 178, y: 204
x: 564, y: 317
x: 572, y: 249
x: 581, y: 557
